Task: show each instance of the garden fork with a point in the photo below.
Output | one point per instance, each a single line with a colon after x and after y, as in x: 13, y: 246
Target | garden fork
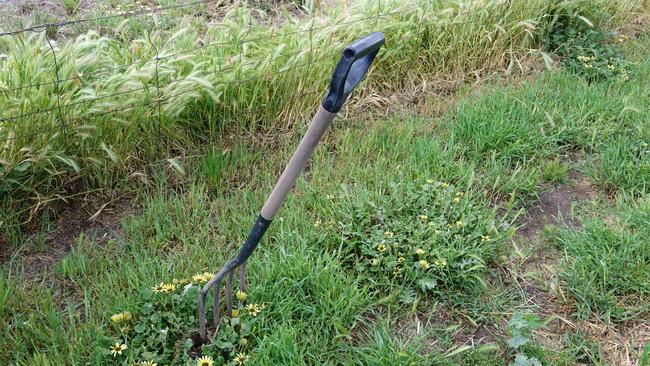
x: 351, y: 69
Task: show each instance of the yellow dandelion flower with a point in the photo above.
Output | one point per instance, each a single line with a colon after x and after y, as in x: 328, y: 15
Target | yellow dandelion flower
x: 389, y: 234
x: 117, y: 349
x: 419, y: 251
x: 254, y: 309
x: 485, y: 238
x: 116, y: 318
x: 460, y: 193
x: 374, y: 261
x: 397, y: 271
x: 444, y: 185
x: 456, y: 236
x: 197, y: 278
x: 429, y: 181
x: 381, y: 248
x: 611, y: 67
x: 440, y: 263
x: 241, y: 295
x: 424, y: 264
x: 181, y: 281
x: 235, y: 313
x: 240, y: 358
x: 460, y: 223
x: 202, y: 277
x: 624, y: 76
x: 456, y: 199
x: 168, y: 287
x: 317, y: 223
x: 159, y: 288
x: 424, y: 217
x: 329, y: 196
x: 205, y: 361
x: 436, y: 232
x: 148, y: 363
x: 401, y: 260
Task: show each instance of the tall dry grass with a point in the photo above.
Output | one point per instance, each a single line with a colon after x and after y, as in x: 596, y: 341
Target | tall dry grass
x: 154, y: 86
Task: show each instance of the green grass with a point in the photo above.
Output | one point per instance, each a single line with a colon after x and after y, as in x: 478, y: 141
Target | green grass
x: 555, y: 171
x: 325, y: 304
x: 300, y: 270
x: 104, y: 119
x: 605, y: 266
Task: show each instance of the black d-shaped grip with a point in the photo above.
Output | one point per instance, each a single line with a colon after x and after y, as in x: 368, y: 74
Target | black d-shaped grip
x: 351, y: 69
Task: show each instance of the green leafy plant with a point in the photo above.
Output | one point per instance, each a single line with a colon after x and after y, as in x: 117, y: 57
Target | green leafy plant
x: 520, y: 329
x: 584, y: 48
x: 159, y: 330
x: 425, y: 236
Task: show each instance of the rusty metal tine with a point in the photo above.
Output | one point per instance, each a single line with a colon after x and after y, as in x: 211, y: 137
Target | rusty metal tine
x: 242, y: 277
x: 229, y: 294
x: 215, y: 305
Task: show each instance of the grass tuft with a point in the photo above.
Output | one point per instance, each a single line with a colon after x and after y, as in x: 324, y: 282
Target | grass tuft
x: 605, y: 266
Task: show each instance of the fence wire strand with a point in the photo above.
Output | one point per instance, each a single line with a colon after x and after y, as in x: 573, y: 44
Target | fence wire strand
x: 159, y: 99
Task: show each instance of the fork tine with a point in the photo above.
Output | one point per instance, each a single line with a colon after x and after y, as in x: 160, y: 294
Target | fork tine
x: 242, y: 277
x: 229, y: 294
x: 202, y: 320
x: 215, y: 305
x: 260, y: 226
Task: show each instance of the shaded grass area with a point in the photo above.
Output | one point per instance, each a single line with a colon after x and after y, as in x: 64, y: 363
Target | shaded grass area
x: 322, y: 309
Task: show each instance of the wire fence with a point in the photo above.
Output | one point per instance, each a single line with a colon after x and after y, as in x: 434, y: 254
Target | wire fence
x: 59, y: 109
x: 146, y: 91
x: 154, y: 95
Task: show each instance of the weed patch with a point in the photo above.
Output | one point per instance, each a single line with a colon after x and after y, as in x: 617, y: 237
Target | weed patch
x: 586, y: 50
x: 423, y: 236
x: 158, y: 330
x: 520, y: 343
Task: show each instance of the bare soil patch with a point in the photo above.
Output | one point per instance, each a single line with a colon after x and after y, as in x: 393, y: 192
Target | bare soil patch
x: 556, y: 204
x: 37, y: 256
x: 538, y: 274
